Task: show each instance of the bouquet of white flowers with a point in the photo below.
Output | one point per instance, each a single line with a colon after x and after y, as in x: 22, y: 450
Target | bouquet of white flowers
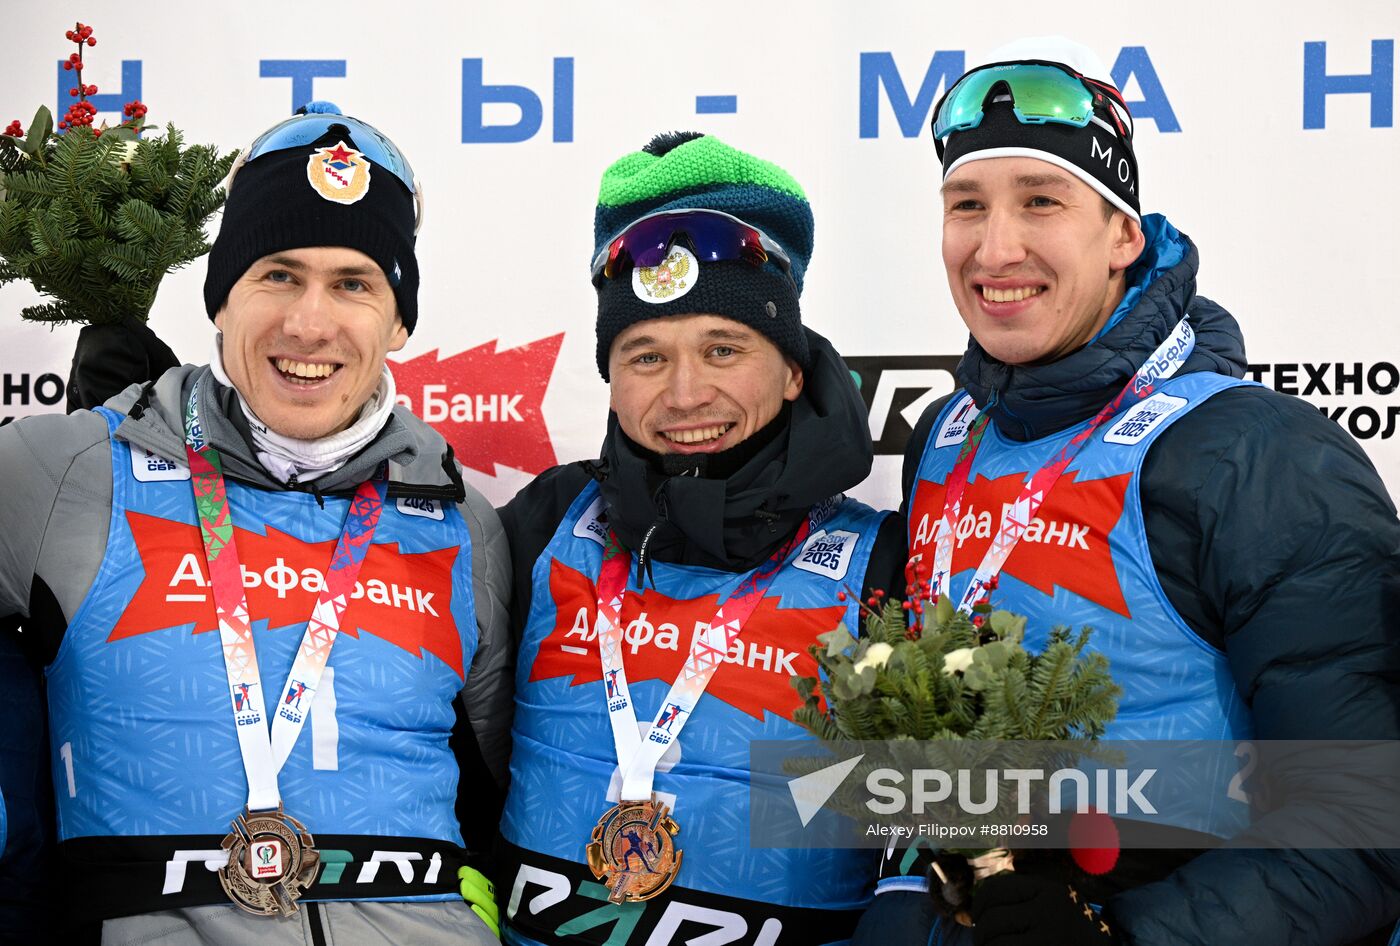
x: 955, y: 677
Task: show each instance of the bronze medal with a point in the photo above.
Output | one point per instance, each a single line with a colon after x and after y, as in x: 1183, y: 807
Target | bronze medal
x: 632, y: 852
x: 271, y: 861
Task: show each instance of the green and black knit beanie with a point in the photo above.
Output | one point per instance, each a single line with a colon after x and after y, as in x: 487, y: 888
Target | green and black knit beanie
x: 691, y: 171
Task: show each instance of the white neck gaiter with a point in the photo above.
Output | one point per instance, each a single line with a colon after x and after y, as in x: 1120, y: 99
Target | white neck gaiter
x: 285, y: 457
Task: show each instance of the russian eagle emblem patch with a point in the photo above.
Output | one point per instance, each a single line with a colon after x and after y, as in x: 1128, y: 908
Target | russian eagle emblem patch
x: 672, y: 278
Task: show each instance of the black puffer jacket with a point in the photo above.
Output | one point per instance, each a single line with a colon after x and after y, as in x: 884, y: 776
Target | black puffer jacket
x: 732, y: 523
x: 1275, y: 540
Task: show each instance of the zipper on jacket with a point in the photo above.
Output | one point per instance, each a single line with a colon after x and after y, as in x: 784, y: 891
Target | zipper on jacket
x: 643, y: 553
x: 995, y: 401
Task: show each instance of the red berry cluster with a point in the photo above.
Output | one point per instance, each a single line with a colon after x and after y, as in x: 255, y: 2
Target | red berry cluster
x: 82, y: 112
x: 14, y: 130
x: 79, y: 113
x: 82, y: 34
x: 918, y: 588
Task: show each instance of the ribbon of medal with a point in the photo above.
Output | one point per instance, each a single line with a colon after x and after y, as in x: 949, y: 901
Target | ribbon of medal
x: 272, y: 857
x: 1159, y: 366
x: 631, y: 849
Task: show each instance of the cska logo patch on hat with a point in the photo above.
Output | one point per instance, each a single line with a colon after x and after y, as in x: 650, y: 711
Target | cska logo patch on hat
x: 339, y: 174
x: 672, y: 278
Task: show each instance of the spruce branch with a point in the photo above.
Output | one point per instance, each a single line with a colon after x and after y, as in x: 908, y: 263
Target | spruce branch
x: 95, y: 218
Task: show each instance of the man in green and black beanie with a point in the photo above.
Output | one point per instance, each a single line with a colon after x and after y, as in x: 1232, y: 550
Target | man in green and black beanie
x: 734, y: 432
x: 679, y: 172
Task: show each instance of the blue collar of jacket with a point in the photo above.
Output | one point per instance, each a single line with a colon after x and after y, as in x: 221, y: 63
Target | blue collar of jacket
x: 1027, y: 402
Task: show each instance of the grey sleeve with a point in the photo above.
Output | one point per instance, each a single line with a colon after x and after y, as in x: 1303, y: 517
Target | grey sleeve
x: 37, y: 455
x: 489, y: 693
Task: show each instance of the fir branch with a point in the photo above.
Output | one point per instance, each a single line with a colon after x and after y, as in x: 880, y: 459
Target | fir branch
x: 97, y: 229
x: 55, y: 313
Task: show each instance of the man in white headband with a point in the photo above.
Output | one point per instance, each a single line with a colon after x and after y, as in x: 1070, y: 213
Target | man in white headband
x: 1234, y: 550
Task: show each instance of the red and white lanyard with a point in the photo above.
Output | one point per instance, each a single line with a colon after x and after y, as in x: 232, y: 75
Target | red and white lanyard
x: 638, y: 754
x: 264, y: 753
x: 1160, y: 365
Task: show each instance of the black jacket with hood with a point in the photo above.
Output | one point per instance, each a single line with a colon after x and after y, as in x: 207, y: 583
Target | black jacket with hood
x: 818, y: 448
x: 1275, y: 540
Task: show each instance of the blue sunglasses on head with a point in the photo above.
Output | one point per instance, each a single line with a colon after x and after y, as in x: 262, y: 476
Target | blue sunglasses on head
x: 316, y: 122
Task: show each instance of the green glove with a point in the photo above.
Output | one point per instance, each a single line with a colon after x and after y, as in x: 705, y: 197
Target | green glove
x: 481, y: 894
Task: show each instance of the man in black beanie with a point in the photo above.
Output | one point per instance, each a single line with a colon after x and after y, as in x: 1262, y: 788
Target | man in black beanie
x: 1234, y: 551
x: 733, y: 433
x: 217, y: 560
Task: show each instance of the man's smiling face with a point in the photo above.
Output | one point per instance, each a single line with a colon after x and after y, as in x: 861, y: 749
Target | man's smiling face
x: 306, y: 332
x: 1034, y: 266
x: 697, y: 383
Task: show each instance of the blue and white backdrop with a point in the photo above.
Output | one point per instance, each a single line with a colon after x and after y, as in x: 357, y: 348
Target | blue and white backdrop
x: 1265, y: 131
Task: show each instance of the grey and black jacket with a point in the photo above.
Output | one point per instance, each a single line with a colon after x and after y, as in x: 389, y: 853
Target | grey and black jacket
x: 57, y: 503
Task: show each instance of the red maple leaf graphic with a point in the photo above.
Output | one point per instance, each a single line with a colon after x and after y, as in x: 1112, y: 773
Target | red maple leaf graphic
x: 1081, y: 563
x: 485, y: 402
x: 751, y: 686
x: 175, y: 590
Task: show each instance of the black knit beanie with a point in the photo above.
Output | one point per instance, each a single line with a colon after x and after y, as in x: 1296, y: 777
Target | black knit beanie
x: 690, y: 171
x: 326, y: 193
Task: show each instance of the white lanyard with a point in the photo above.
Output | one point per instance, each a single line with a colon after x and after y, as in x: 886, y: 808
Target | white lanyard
x: 1164, y: 362
x: 638, y: 755
x: 264, y: 754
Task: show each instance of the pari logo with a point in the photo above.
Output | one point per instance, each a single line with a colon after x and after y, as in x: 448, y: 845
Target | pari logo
x: 897, y: 389
x: 485, y: 402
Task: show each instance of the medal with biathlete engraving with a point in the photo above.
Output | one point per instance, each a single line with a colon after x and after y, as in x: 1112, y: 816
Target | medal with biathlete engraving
x: 632, y: 852
x: 272, y: 859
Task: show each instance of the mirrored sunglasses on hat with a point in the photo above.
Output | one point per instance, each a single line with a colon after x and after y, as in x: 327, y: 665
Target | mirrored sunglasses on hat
x: 711, y: 235
x: 302, y: 130
x: 1040, y: 92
